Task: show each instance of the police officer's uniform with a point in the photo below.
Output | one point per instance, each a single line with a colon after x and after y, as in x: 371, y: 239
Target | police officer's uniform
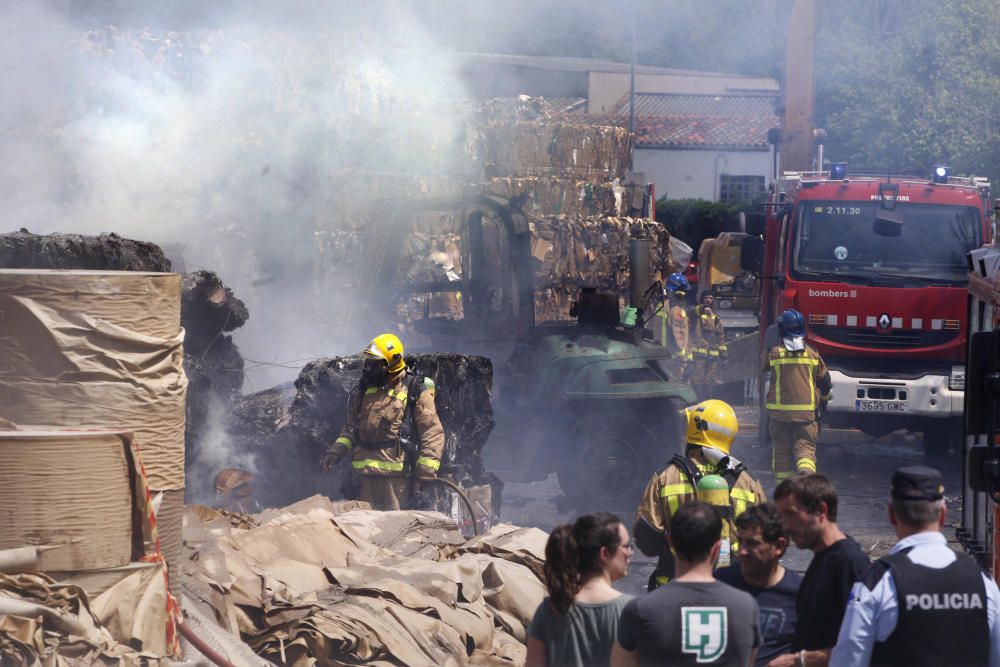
x: 923, y: 603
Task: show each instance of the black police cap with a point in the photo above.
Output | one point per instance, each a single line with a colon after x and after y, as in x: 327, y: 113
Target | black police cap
x: 917, y: 483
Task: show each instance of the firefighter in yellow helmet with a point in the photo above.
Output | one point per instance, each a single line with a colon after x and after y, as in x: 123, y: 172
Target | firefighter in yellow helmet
x: 708, y: 342
x: 711, y: 429
x: 392, y: 432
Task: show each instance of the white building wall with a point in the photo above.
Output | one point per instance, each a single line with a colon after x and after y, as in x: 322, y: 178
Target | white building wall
x: 694, y: 174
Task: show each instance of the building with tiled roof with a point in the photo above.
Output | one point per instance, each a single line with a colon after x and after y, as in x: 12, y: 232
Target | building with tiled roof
x: 705, y: 146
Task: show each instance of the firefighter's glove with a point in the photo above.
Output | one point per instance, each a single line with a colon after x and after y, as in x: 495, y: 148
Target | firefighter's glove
x: 328, y: 461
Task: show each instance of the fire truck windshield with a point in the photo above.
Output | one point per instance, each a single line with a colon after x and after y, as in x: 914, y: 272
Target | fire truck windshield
x: 835, y: 241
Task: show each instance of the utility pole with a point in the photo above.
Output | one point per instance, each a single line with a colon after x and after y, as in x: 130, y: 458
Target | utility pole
x: 631, y: 71
x: 797, y: 139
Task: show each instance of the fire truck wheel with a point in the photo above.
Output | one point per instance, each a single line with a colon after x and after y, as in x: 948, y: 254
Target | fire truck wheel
x: 615, y: 454
x: 942, y: 442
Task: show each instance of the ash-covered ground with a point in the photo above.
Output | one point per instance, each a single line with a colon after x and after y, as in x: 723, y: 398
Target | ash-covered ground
x: 859, y: 467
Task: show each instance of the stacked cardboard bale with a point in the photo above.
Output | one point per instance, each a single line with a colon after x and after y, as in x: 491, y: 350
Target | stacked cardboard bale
x: 554, y: 195
x: 77, y: 507
x: 569, y: 253
x: 101, y: 349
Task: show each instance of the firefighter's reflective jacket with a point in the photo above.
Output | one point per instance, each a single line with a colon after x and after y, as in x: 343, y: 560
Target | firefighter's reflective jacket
x: 672, y: 487
x: 709, y: 336
x: 799, y: 383
x: 382, y: 422
x: 671, y: 330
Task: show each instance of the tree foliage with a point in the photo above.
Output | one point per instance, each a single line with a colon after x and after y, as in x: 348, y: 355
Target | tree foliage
x: 693, y: 220
x: 908, y: 95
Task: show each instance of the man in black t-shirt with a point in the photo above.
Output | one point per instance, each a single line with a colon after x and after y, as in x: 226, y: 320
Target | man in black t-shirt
x: 693, y: 619
x: 761, y: 574
x: 808, y: 508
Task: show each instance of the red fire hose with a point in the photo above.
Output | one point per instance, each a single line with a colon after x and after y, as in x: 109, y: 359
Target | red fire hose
x: 203, y: 647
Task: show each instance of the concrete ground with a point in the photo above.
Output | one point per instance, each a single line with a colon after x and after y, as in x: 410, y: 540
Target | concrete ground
x: 859, y: 467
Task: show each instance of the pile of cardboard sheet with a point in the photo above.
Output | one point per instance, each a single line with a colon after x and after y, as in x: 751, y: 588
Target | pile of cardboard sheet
x: 328, y: 584
x: 43, y: 622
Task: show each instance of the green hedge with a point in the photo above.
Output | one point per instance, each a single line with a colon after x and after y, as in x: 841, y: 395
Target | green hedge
x: 693, y: 220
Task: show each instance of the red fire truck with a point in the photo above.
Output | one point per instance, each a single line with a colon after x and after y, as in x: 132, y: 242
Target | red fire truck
x: 877, y: 265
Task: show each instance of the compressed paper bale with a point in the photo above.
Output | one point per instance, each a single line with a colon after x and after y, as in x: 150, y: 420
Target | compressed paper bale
x: 550, y: 148
x: 146, y: 303
x: 170, y: 525
x: 154, y: 413
x: 70, y: 490
x: 107, y: 252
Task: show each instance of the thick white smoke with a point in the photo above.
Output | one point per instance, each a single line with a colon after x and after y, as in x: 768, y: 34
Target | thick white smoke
x: 226, y: 145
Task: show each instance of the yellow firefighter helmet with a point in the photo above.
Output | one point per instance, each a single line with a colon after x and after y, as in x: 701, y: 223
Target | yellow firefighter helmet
x: 712, y: 423
x: 387, y: 346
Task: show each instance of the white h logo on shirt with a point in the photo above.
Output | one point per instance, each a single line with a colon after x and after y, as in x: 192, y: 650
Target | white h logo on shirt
x: 704, y: 631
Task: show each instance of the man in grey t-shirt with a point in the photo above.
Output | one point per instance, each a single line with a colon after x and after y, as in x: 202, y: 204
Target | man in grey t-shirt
x: 694, y: 619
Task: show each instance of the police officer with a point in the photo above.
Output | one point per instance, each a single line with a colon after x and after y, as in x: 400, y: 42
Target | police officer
x: 923, y: 603
x: 799, y: 389
x: 392, y: 430
x: 708, y: 341
x: 711, y: 429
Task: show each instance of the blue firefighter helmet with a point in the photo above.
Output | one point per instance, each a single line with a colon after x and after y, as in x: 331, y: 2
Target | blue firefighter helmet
x: 791, y: 324
x: 676, y: 282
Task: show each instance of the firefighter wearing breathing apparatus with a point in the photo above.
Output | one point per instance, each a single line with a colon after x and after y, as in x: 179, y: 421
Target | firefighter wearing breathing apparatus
x: 711, y: 429
x: 708, y: 341
x: 798, y: 390
x: 671, y: 326
x: 392, y: 432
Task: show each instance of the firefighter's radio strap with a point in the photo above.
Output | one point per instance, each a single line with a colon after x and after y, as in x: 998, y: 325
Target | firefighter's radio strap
x: 723, y: 469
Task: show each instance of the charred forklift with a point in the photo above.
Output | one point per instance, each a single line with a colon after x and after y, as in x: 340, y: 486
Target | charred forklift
x: 593, y: 400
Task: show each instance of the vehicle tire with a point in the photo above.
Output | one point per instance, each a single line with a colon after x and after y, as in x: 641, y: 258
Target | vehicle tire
x: 611, y: 456
x: 942, y: 441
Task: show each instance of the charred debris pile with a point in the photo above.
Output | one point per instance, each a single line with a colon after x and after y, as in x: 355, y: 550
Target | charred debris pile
x: 107, y: 252
x: 212, y: 361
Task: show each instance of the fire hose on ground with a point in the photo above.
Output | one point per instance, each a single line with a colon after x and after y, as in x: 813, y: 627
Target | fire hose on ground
x: 461, y: 494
